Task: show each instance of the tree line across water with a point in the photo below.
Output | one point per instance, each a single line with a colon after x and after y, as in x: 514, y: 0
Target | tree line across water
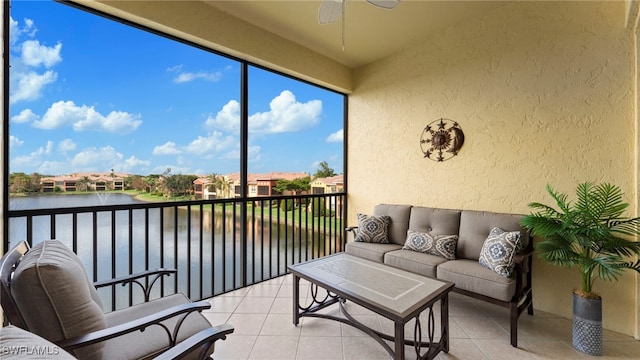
x: 165, y: 184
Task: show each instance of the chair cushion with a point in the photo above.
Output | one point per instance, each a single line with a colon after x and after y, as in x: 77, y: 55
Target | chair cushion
x: 438, y: 245
x: 16, y: 343
x: 373, y: 229
x: 54, y: 296
x: 147, y: 344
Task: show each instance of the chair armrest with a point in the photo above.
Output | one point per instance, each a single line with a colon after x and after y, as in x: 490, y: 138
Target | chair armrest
x: 204, y: 340
x: 135, y: 325
x: 134, y: 279
x: 351, y: 228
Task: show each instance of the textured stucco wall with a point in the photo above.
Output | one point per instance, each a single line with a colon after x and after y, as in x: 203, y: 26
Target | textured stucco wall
x: 544, y: 92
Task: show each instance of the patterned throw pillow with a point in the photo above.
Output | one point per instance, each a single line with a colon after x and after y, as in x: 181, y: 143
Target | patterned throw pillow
x: 373, y: 229
x: 438, y: 245
x: 498, y: 250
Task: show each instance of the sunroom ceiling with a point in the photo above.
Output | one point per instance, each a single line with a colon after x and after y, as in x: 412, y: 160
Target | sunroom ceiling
x: 370, y: 32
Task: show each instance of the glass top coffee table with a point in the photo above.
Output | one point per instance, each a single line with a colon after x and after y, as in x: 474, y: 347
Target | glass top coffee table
x: 398, y: 295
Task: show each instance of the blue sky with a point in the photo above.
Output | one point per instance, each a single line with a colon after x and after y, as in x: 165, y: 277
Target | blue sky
x: 91, y: 94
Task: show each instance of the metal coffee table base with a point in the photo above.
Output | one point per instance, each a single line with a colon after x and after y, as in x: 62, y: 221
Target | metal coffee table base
x: 432, y: 349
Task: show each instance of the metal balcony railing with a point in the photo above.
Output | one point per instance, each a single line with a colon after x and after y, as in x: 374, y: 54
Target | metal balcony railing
x: 216, y: 245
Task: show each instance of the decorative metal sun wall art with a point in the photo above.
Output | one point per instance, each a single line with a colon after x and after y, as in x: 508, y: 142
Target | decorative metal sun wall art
x: 441, y: 140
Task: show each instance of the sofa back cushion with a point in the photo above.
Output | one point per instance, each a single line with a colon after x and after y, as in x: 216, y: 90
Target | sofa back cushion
x: 399, y: 224
x: 434, y: 221
x: 475, y: 227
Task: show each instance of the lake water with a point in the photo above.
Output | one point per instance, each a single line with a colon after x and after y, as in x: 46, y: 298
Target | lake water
x: 206, y: 247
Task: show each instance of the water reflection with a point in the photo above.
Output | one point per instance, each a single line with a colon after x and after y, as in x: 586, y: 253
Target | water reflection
x: 205, y: 245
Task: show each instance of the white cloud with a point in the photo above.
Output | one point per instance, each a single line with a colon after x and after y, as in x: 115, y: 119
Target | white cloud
x: 28, y: 85
x: 226, y: 119
x: 34, y: 158
x: 90, y: 157
x: 25, y: 116
x: 285, y: 114
x: 83, y: 118
x: 336, y: 136
x: 168, y: 148
x: 14, y: 141
x: 66, y: 145
x: 175, y: 68
x: 131, y: 164
x: 34, y: 54
x: 16, y: 32
x: 211, y: 145
x: 53, y: 167
x: 190, y: 76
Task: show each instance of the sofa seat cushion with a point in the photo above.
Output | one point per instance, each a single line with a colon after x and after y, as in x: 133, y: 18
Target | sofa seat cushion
x: 145, y: 345
x: 415, y: 262
x: 370, y: 251
x: 471, y: 276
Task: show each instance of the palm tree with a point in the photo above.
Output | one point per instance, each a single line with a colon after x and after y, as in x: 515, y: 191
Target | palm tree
x: 83, y: 184
x: 220, y: 184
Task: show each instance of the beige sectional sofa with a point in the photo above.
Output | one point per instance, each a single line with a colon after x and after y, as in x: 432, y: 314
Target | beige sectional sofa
x: 472, y: 228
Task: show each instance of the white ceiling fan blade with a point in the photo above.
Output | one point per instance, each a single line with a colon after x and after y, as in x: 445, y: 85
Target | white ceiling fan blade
x: 387, y: 4
x: 329, y: 11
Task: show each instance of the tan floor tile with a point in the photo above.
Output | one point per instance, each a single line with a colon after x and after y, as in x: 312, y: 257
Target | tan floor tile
x: 280, y: 324
x: 620, y: 350
x: 320, y: 327
x: 275, y: 348
x: 263, y: 290
x: 319, y: 347
x: 370, y: 321
x: 359, y: 347
x: 477, y: 330
x: 282, y: 306
x: 224, y: 304
x: 255, y: 305
x: 240, y: 292
x: 235, y: 347
x: 550, y: 349
x: 216, y: 318
x: 502, y: 350
x: 247, y: 324
x: 462, y: 349
x: 481, y: 328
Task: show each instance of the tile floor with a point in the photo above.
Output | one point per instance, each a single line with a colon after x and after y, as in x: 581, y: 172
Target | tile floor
x: 262, y: 317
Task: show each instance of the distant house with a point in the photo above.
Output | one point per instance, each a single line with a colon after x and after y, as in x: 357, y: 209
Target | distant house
x: 96, y: 182
x: 258, y: 185
x: 327, y: 185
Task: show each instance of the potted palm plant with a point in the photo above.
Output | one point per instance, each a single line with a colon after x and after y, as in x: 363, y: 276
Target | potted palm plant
x: 591, y: 235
